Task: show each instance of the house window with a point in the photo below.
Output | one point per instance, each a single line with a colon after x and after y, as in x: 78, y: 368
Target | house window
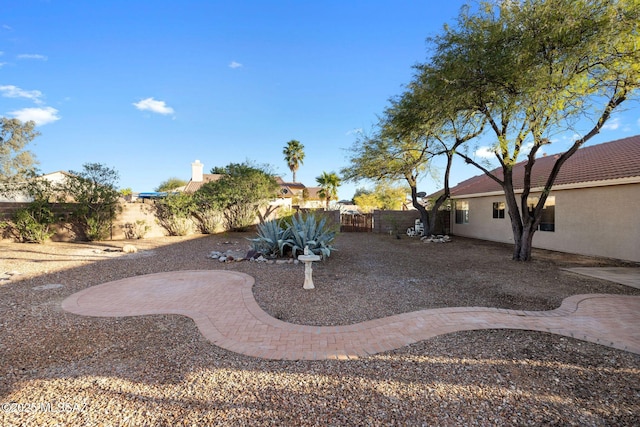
x: 462, y: 212
x: 498, y: 209
x: 548, y: 221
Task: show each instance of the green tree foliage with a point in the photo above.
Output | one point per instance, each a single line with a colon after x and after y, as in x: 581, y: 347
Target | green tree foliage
x: 367, y: 202
x: 16, y: 163
x: 534, y: 69
x: 329, y: 183
x: 419, y: 125
x: 293, y: 155
x: 171, y: 184
x: 384, y: 196
x: 239, y: 194
x: 96, y: 197
x: 517, y: 72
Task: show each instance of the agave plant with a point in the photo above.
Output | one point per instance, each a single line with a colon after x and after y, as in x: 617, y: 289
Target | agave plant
x: 272, y: 239
x: 317, y: 235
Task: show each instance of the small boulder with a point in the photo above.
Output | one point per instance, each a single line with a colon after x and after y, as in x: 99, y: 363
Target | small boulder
x: 129, y: 249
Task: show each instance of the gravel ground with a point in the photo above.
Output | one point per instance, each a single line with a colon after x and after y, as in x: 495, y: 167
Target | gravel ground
x: 61, y: 369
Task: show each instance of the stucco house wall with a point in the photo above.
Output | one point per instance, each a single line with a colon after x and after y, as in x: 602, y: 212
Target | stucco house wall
x: 601, y: 220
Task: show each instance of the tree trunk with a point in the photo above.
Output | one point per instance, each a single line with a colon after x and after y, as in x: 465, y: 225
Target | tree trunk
x: 514, y: 214
x: 424, y: 215
x: 526, y: 242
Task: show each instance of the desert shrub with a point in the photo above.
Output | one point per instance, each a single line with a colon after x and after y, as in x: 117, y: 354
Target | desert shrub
x: 136, y: 230
x: 96, y: 198
x: 208, y: 220
x: 173, y: 213
x: 307, y: 231
x: 33, y: 223
x: 272, y: 239
x: 242, y: 190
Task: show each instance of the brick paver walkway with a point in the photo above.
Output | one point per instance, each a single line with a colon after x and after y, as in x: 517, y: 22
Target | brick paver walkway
x: 223, y: 307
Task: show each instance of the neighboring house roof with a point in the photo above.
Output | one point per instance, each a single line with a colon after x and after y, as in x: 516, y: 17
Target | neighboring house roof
x: 596, y: 165
x: 313, y: 193
x: 192, y: 186
x: 289, y: 189
x: 293, y: 189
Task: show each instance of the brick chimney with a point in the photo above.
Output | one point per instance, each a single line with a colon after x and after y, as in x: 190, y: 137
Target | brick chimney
x: 196, y: 171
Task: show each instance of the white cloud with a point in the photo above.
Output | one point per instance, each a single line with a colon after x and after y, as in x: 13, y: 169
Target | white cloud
x: 41, y: 116
x: 485, y: 153
x: 2, y: 64
x: 234, y: 64
x: 32, y: 56
x: 10, y: 91
x: 154, y: 106
x: 612, y: 124
x: 6, y: 27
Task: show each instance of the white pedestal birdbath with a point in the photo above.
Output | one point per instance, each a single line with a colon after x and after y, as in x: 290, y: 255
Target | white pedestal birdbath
x: 308, y: 259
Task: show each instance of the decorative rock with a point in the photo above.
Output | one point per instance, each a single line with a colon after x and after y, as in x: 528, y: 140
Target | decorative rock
x: 222, y: 258
x: 436, y: 239
x: 47, y: 287
x: 129, y: 249
x: 8, y: 275
x: 252, y: 254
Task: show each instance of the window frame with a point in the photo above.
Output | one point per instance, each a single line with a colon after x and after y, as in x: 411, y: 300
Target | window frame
x: 548, y: 213
x: 499, y: 209
x: 461, y: 215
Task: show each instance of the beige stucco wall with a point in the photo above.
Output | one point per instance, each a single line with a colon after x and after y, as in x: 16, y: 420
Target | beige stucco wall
x: 599, y: 221
x: 132, y: 212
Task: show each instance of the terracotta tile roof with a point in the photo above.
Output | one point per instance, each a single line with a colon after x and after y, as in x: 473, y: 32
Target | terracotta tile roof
x: 193, y: 186
x: 602, y: 162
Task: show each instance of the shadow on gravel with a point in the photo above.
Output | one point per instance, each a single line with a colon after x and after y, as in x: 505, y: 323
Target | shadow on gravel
x: 159, y: 370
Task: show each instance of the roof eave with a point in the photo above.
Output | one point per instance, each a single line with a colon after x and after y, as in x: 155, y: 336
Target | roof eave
x: 571, y: 186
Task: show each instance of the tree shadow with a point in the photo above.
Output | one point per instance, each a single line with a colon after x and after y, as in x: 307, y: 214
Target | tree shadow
x: 160, y: 370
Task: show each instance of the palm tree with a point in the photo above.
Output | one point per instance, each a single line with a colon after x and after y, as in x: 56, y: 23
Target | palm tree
x: 329, y: 183
x: 293, y: 155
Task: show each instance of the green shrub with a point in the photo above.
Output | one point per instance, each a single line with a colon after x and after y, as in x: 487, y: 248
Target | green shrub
x: 173, y: 213
x: 209, y: 220
x: 33, y: 223
x: 97, y: 226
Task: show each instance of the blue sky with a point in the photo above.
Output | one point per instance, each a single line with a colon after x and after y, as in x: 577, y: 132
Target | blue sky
x: 147, y: 87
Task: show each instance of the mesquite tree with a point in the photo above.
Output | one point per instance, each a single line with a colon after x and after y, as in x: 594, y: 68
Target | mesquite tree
x: 533, y: 69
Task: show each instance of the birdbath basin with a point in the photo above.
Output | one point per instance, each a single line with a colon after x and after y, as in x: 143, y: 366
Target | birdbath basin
x: 307, y: 258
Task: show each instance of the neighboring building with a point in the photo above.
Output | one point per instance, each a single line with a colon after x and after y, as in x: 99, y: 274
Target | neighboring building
x: 54, y: 177
x: 297, y: 196
x: 292, y: 194
x: 198, y: 178
x: 593, y: 208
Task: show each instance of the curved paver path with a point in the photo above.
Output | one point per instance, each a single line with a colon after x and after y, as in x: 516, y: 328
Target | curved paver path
x: 225, y: 311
